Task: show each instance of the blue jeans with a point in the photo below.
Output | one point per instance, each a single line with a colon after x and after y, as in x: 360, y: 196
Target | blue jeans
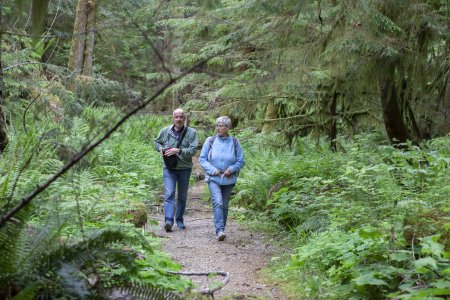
x: 220, y: 195
x: 171, y: 178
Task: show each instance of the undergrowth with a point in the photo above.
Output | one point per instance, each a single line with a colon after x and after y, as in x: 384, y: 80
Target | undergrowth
x: 83, y: 237
x: 368, y: 223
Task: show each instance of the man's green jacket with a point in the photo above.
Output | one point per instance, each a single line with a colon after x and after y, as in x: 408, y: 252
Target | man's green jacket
x: 167, y: 139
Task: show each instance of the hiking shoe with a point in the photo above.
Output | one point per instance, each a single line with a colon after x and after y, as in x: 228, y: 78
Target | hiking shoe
x: 221, y: 236
x: 181, y: 225
x: 168, y: 227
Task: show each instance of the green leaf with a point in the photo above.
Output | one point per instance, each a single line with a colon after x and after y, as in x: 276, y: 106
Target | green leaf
x: 369, y: 279
x: 400, y: 256
x: 369, y: 234
x: 422, y: 264
x: 432, y: 292
x: 431, y: 246
x: 441, y: 284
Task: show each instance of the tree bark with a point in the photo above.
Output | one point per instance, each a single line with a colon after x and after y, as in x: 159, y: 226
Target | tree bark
x: 333, y: 128
x: 444, y: 128
x: 392, y: 116
x: 3, y: 134
x: 75, y: 64
x: 89, y: 46
x: 271, y: 113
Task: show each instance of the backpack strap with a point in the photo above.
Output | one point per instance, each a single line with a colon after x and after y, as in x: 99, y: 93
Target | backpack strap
x: 211, y: 142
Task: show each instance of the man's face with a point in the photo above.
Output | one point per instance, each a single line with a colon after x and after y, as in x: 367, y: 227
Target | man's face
x: 178, y: 119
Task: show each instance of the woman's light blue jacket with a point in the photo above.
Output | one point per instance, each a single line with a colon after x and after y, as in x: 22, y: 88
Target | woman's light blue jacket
x: 221, y: 157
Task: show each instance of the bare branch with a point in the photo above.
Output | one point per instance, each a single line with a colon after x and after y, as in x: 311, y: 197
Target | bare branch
x: 62, y: 35
x: 207, y: 291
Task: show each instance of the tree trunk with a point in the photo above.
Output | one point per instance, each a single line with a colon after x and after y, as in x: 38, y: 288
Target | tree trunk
x: 271, y: 114
x: 393, y: 118
x: 333, y: 129
x: 78, y: 40
x: 3, y: 135
x: 89, y: 46
x: 444, y: 127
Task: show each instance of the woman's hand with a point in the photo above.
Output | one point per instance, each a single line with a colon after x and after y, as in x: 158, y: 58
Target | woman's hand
x: 227, y: 172
x: 216, y: 173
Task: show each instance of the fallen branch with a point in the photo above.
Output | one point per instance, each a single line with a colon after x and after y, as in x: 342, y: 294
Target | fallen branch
x: 193, y: 220
x: 199, y: 210
x: 207, y: 291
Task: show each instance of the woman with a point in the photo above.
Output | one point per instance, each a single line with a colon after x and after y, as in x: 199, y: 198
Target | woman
x: 221, y: 158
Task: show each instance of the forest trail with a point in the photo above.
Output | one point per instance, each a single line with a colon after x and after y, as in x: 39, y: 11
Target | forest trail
x: 242, y: 254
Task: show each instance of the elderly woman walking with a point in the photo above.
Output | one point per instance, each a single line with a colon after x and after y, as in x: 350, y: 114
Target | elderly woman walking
x: 221, y: 158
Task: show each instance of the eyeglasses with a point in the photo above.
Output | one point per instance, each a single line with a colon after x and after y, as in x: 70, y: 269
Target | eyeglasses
x: 220, y: 125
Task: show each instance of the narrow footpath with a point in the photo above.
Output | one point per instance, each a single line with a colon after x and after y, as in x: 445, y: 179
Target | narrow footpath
x: 196, y: 249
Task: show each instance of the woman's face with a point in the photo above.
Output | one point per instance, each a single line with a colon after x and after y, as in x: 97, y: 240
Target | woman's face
x: 221, y: 129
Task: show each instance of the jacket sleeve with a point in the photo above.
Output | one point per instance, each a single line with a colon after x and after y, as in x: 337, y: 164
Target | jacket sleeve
x: 240, y: 162
x: 159, y: 141
x: 203, y: 158
x: 189, y: 151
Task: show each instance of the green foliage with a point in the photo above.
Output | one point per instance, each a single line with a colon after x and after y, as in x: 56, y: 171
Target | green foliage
x: 78, y: 238
x: 370, y: 223
x: 103, y: 91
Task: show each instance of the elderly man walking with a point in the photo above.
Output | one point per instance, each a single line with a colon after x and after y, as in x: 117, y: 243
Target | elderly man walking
x: 180, y: 142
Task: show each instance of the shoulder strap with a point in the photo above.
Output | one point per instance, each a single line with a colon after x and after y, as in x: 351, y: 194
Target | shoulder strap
x: 235, y: 142
x: 182, y: 137
x: 211, y: 141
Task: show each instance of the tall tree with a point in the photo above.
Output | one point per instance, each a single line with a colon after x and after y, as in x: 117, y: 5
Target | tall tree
x: 90, y: 34
x: 397, y: 52
x: 392, y: 113
x: 82, y: 50
x: 3, y: 135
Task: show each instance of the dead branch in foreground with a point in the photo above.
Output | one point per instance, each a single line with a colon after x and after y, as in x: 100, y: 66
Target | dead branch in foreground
x: 207, y: 291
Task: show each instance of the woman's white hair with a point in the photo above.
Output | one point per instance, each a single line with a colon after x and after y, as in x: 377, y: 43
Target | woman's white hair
x: 225, y: 121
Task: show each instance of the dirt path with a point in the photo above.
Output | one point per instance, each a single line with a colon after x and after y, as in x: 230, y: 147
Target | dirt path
x: 242, y: 254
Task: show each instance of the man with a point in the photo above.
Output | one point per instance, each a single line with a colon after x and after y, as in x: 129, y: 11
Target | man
x: 166, y: 144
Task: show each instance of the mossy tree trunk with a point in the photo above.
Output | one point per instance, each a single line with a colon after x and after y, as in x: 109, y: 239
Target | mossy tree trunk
x: 90, y: 33
x: 79, y: 38
x: 333, y: 126
x: 3, y: 135
x: 270, y: 117
x: 392, y: 115
x: 444, y: 110
x: 82, y: 50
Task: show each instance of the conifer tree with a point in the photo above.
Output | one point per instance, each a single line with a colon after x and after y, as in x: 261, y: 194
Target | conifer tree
x: 82, y: 50
x: 3, y: 135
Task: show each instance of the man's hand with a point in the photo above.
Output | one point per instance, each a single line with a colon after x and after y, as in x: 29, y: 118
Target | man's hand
x: 172, y: 151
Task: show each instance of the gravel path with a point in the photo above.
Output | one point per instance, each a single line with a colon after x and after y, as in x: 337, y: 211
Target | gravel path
x: 242, y: 254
